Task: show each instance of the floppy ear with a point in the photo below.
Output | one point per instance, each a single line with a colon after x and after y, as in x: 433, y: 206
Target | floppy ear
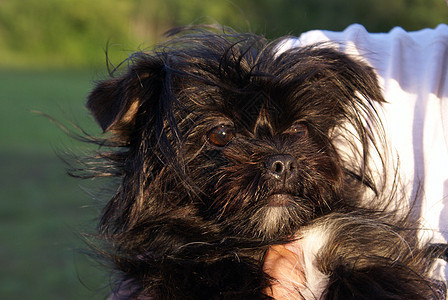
x: 353, y: 86
x: 360, y: 76
x: 115, y: 102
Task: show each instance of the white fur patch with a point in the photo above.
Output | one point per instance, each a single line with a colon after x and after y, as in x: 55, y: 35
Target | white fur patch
x: 270, y: 220
x: 316, y: 281
x: 273, y: 217
x: 310, y: 242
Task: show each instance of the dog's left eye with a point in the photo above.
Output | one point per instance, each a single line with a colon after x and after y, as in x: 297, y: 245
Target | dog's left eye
x: 220, y: 136
x: 299, y: 129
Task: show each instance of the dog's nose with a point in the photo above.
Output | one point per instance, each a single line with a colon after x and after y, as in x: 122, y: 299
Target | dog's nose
x: 282, y: 166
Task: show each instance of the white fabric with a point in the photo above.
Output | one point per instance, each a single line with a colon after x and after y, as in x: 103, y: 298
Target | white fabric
x: 413, y: 72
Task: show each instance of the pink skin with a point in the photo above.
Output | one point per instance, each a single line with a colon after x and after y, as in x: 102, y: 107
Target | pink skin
x: 282, y: 262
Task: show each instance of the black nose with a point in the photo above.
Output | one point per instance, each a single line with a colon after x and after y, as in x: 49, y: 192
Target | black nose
x: 282, y: 166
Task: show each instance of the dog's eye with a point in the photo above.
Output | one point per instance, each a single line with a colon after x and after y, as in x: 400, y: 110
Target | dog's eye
x: 298, y: 129
x: 220, y: 135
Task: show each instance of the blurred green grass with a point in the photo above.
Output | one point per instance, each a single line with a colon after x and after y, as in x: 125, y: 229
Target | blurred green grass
x: 43, y: 211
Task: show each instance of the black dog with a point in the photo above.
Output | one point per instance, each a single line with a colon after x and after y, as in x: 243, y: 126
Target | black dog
x: 224, y: 147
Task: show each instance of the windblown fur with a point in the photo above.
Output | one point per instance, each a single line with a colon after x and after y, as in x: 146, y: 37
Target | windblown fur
x: 224, y: 146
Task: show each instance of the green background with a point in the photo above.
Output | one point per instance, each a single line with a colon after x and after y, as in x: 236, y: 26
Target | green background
x: 51, y: 52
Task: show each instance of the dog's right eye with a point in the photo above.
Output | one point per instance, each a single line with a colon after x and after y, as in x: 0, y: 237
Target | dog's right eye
x: 220, y: 136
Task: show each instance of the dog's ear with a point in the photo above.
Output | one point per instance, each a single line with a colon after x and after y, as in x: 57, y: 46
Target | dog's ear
x: 342, y: 88
x: 116, y: 102
x: 358, y: 76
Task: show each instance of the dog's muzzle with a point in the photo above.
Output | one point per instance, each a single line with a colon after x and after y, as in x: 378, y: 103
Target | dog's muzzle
x: 281, y: 169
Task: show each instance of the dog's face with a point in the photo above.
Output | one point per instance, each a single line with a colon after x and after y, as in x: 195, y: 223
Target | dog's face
x: 225, y: 130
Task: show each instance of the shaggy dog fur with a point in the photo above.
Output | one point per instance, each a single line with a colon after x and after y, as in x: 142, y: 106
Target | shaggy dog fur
x: 224, y: 146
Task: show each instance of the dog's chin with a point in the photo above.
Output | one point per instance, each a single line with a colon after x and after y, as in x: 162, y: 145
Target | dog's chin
x: 279, y: 218
x: 273, y: 222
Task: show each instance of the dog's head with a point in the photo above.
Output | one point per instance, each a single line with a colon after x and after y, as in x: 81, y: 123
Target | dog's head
x: 224, y: 129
